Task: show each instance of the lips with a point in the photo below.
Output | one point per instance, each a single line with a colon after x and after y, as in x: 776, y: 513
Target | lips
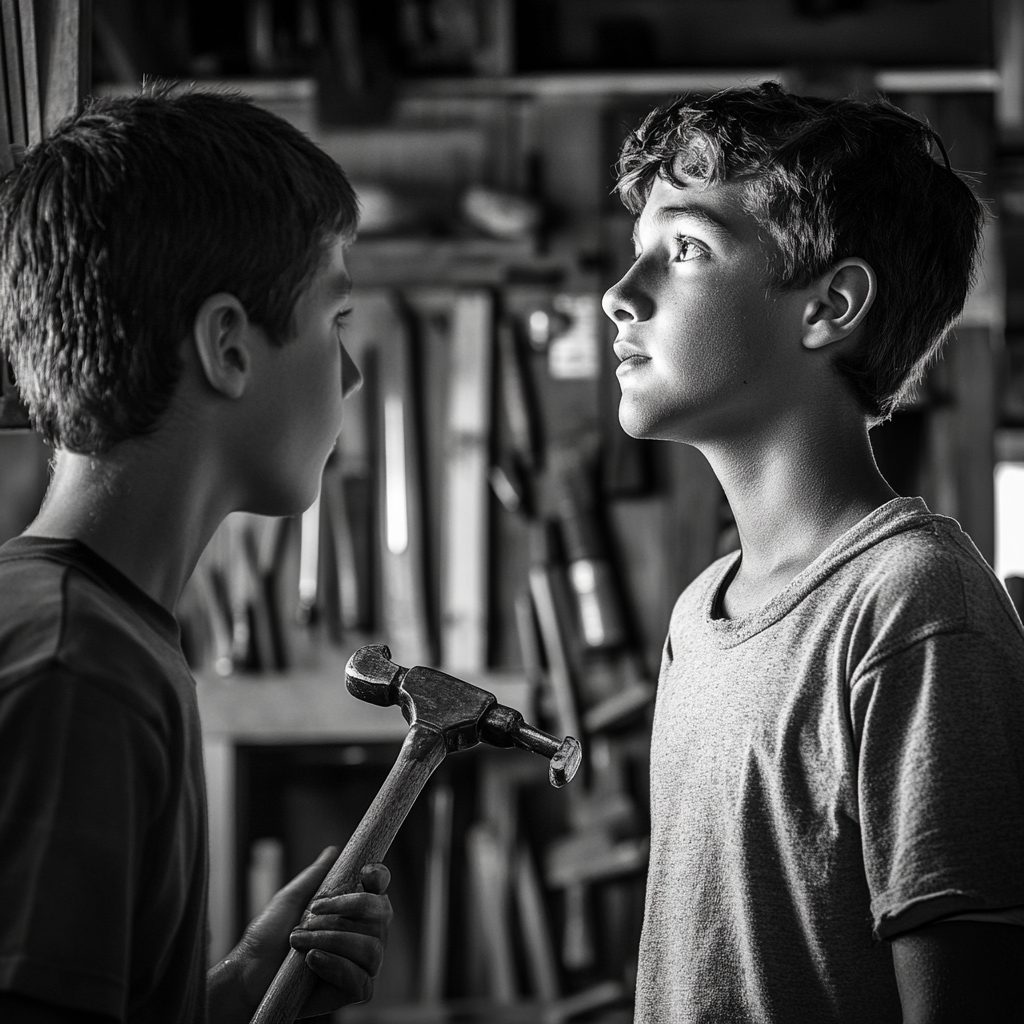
x: 625, y: 351
x: 629, y: 356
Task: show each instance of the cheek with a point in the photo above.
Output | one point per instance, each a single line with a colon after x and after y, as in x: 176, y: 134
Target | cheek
x: 704, y: 339
x: 323, y: 375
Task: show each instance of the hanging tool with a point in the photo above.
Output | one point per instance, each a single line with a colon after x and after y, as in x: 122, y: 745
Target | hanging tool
x: 400, y: 480
x: 601, y: 618
x: 464, y: 541
x: 445, y: 714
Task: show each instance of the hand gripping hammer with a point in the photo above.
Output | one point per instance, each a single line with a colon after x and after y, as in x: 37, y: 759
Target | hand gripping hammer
x: 445, y: 714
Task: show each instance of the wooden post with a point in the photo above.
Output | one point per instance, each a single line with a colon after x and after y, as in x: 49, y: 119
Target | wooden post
x: 64, y: 39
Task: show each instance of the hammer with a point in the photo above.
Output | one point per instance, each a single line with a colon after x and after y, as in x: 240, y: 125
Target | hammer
x: 445, y: 714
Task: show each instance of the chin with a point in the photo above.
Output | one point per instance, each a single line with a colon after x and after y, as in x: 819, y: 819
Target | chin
x: 284, y: 498
x: 636, y: 422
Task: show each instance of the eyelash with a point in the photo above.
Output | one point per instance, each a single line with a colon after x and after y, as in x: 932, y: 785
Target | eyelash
x: 339, y: 320
x: 683, y: 242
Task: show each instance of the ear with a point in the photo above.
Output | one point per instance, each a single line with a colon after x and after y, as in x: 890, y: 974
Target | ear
x: 223, y: 335
x: 840, y: 301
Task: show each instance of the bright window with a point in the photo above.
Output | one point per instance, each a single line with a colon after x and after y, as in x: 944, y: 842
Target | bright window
x: 1009, y: 519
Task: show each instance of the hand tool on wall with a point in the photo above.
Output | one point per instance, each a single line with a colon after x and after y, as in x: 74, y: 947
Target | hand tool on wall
x: 403, y: 553
x: 339, y: 575
x: 436, y: 891
x: 231, y: 602
x: 309, y: 564
x: 464, y: 542
x: 445, y: 714
x: 548, y: 604
x: 488, y: 865
x: 533, y: 918
x: 514, y: 477
x: 601, y: 619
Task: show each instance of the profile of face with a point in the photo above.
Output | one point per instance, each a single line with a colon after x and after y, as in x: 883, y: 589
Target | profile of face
x: 705, y: 343
x: 300, y: 389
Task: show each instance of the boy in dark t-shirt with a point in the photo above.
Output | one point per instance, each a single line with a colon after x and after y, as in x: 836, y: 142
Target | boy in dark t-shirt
x: 172, y: 294
x: 837, y: 765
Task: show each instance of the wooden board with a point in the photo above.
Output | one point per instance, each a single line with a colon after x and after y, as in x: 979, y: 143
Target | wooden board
x: 464, y: 546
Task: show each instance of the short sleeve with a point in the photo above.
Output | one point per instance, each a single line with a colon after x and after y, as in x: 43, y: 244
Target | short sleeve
x: 82, y: 774
x: 939, y: 727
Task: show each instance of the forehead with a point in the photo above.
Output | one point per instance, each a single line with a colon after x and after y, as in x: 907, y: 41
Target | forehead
x: 718, y: 210
x: 331, y: 280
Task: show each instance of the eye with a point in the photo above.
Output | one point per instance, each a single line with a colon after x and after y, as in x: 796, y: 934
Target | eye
x: 340, y: 319
x: 687, y: 249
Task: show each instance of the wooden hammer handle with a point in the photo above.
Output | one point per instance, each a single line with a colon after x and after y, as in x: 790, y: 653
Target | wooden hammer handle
x: 422, y: 751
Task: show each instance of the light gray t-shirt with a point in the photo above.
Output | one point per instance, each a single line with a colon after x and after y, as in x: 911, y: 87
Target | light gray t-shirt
x: 839, y: 766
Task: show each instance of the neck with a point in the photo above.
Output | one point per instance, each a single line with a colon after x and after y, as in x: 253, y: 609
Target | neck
x: 143, y: 506
x: 794, y: 488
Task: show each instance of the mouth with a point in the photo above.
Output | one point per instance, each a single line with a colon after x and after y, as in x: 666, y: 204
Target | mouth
x: 628, y: 353
x: 629, y: 357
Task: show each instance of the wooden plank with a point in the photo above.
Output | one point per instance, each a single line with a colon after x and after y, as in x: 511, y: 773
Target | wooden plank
x: 436, y: 894
x: 406, y: 623
x: 971, y: 424
x: 65, y: 57
x: 13, y: 73
x: 30, y: 71
x: 6, y: 157
x: 464, y: 580
x: 1009, y: 46
x: 219, y: 759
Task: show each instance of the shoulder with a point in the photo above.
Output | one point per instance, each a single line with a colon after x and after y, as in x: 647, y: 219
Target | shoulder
x: 923, y: 581
x: 59, y: 623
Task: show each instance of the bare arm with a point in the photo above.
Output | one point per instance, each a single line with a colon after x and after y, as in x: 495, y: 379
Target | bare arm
x: 961, y: 972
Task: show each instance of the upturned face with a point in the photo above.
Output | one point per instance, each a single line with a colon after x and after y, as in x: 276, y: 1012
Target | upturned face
x: 707, y: 347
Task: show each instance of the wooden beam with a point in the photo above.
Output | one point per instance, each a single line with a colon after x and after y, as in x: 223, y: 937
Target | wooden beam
x: 64, y: 38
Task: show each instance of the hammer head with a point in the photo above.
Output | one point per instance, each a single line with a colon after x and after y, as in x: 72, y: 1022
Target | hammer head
x: 462, y: 713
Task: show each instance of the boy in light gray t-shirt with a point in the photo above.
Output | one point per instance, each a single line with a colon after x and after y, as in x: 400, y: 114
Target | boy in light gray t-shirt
x: 837, y: 767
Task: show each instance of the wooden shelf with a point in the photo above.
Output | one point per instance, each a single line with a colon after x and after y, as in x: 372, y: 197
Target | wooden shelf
x: 312, y: 706
x: 408, y: 261
x: 594, y: 83
x: 649, y: 83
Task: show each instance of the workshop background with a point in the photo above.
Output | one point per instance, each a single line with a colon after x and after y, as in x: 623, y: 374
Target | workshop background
x: 483, y: 511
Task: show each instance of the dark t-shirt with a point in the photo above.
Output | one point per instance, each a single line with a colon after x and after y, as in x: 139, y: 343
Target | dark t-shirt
x: 102, y: 797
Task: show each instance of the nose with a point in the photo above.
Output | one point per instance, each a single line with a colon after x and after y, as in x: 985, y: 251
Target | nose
x: 626, y: 301
x: 351, y: 378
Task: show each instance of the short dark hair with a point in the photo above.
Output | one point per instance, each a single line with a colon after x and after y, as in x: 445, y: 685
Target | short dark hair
x: 830, y: 179
x: 116, y: 228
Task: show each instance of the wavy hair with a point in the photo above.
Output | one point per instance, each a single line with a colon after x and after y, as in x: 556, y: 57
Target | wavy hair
x: 827, y: 180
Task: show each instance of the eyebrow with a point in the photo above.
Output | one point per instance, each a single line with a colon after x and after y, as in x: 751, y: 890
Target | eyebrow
x: 667, y: 214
